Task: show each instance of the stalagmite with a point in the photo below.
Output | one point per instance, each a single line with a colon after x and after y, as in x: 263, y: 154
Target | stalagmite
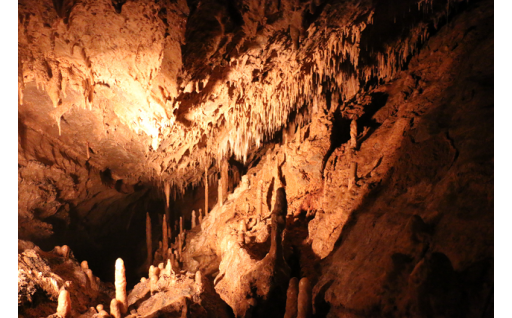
x: 64, y: 251
x: 149, y: 244
x: 353, y: 134
x: 64, y: 304
x: 200, y: 216
x: 176, y: 258
x: 164, y: 238
x: 120, y: 283
x: 153, y: 278
x: 171, y: 255
x: 219, y: 191
x: 304, y: 300
x: 241, y: 232
x: 199, y: 280
x: 115, y: 311
x: 352, y: 177
x: 193, y: 218
x: 84, y: 265
x: 168, y: 266
x: 180, y: 246
x: 92, y: 279
x: 205, y: 191
x: 101, y: 311
x: 181, y: 224
x: 87, y: 150
x: 291, y: 298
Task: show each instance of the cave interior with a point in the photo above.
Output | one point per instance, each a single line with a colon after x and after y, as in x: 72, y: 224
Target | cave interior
x: 255, y: 158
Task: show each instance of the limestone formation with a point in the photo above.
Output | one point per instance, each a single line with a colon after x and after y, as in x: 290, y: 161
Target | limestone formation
x: 268, y: 280
x: 115, y: 311
x: 92, y: 280
x: 149, y: 242
x: 353, y: 134
x: 101, y: 311
x: 199, y: 280
x: 64, y: 304
x: 304, y: 309
x: 120, y: 283
x: 153, y: 278
x: 292, y: 298
x: 241, y: 232
x: 351, y: 143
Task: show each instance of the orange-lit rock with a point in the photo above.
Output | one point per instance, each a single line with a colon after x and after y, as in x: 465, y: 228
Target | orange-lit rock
x: 351, y: 143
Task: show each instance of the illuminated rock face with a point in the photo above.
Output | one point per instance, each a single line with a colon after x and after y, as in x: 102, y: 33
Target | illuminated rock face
x: 373, y: 121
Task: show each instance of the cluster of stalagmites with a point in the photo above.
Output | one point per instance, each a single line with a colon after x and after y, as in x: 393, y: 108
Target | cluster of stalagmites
x: 168, y: 288
x: 164, y: 291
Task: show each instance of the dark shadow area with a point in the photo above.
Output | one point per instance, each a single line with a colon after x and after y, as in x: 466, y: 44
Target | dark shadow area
x: 321, y: 307
x: 340, y: 134
x: 366, y: 120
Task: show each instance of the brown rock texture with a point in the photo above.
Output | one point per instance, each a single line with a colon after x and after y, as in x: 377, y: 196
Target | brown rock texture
x: 347, y: 145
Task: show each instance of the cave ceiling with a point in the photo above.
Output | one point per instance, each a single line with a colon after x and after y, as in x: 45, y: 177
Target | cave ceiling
x: 157, y: 91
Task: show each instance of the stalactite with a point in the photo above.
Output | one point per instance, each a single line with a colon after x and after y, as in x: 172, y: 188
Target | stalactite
x: 64, y: 304
x: 199, y: 280
x: 120, y: 283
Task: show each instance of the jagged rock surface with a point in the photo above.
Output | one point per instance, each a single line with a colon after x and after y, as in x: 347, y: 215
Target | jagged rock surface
x: 379, y: 117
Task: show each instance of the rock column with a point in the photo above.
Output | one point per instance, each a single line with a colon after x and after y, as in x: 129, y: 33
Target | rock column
x: 291, y: 298
x: 120, y: 283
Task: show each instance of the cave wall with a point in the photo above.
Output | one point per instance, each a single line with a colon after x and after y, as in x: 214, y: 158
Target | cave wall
x: 118, y: 101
